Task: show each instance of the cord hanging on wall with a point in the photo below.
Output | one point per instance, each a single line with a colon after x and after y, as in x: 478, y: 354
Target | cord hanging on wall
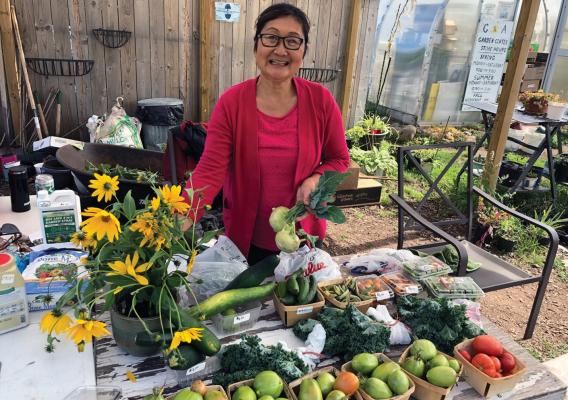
x: 321, y: 75
x: 112, y: 38
x: 59, y: 66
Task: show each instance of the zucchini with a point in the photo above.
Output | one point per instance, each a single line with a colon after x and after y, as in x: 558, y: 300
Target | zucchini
x: 146, y: 339
x: 233, y: 298
x: 255, y: 274
x: 292, y: 285
x: 311, y: 291
x: 209, y: 343
x: 184, y: 357
x: 281, y: 289
x: 288, y: 300
x: 303, y: 288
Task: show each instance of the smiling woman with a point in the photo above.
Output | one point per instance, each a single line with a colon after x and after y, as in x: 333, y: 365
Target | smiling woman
x: 270, y: 138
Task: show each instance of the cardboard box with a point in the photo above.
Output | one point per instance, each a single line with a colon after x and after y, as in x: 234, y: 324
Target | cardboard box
x: 208, y: 387
x: 362, y: 306
x: 249, y: 382
x: 56, y: 142
x: 368, y: 192
x: 292, y: 314
x: 534, y: 71
x: 483, y: 384
x: 294, y: 386
x: 530, y: 85
x: 350, y: 182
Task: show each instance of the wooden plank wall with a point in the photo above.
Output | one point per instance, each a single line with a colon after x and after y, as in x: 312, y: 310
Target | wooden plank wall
x: 162, y: 57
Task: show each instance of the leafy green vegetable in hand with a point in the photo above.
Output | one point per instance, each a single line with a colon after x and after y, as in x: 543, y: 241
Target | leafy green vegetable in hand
x: 437, y: 320
x: 249, y: 357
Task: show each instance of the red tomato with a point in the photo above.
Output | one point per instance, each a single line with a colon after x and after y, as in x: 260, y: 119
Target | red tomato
x: 507, y: 362
x: 465, y: 354
x: 488, y: 345
x: 497, y: 363
x: 484, y: 363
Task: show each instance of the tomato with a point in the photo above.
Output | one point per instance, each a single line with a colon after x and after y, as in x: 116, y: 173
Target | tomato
x: 465, y: 354
x: 497, y: 363
x: 484, y: 363
x: 488, y: 345
x: 507, y: 362
x: 347, y: 382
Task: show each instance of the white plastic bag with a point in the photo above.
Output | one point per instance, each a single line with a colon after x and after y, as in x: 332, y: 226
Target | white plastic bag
x: 118, y: 128
x: 379, y: 261
x: 400, y: 333
x: 314, y: 262
x: 311, y: 353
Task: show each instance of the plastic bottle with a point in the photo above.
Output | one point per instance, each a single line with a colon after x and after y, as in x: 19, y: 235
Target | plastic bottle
x: 13, y: 300
x: 59, y: 215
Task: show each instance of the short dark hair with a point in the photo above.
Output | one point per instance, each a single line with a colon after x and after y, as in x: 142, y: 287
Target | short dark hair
x: 280, y: 10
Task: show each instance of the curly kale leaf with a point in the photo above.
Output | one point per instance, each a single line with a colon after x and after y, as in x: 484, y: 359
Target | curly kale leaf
x: 304, y: 327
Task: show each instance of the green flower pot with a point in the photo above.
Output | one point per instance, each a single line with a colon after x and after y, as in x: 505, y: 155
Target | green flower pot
x: 124, y: 330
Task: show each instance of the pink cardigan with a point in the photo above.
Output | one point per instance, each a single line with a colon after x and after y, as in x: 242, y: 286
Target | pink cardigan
x: 230, y: 158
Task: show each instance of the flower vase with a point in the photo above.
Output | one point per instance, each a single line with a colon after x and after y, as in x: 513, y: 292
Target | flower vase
x: 124, y: 330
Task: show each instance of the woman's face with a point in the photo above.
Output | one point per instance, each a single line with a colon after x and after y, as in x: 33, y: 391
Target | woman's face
x: 279, y: 63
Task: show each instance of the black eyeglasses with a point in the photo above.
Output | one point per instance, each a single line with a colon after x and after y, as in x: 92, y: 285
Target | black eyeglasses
x: 271, y: 40
x: 9, y: 230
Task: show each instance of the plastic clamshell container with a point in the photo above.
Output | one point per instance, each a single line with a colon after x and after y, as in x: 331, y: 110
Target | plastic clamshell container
x: 402, y: 284
x: 483, y: 384
x: 424, y: 389
x: 425, y: 267
x: 292, y: 314
x: 383, y: 359
x: 362, y: 306
x: 453, y: 287
x: 95, y: 393
x: 249, y: 382
x: 209, y: 387
x: 294, y: 386
x: 245, y: 317
x: 376, y: 287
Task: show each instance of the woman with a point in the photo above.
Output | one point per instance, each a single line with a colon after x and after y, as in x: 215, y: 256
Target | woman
x: 270, y: 138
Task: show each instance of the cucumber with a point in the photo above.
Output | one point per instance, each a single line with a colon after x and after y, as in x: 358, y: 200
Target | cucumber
x: 313, y: 286
x: 144, y: 338
x: 303, y: 288
x: 288, y: 300
x: 292, y: 285
x: 281, y: 289
x: 233, y: 298
x: 255, y: 274
x: 209, y: 343
x: 184, y: 357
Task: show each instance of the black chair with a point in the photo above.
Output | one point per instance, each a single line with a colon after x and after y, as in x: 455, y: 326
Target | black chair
x: 494, y: 273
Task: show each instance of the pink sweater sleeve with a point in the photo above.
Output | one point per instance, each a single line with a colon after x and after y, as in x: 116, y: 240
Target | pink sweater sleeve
x: 335, y: 155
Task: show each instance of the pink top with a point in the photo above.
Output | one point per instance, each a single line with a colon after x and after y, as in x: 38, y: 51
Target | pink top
x: 278, y: 156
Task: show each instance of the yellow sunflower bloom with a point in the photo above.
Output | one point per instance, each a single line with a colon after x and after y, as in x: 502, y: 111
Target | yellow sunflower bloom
x: 131, y: 377
x: 104, y: 186
x: 100, y: 224
x: 50, y: 322
x: 129, y: 268
x: 145, y: 224
x: 84, y: 240
x: 172, y: 198
x: 85, y: 330
x: 155, y: 203
x: 186, y: 336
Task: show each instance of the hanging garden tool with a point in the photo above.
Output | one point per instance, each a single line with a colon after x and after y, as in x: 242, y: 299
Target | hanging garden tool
x: 41, y: 114
x: 58, y: 113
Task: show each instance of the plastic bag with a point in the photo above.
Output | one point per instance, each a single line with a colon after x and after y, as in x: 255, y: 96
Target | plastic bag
x: 314, y: 262
x: 311, y: 354
x: 213, y: 269
x: 472, y: 310
x: 118, y: 128
x: 379, y: 261
x: 400, y: 333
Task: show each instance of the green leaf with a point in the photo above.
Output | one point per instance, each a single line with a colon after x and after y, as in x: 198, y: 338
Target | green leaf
x: 109, y: 301
x: 119, y: 280
x: 326, y: 186
x: 335, y: 215
x: 129, y: 205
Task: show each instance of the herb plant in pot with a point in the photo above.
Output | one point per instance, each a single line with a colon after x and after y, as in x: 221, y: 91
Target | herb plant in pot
x: 506, y: 234
x: 376, y: 130
x: 377, y: 161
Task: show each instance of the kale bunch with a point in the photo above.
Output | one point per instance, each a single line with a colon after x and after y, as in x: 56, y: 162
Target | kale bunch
x: 437, y: 320
x: 304, y: 327
x: 249, y: 357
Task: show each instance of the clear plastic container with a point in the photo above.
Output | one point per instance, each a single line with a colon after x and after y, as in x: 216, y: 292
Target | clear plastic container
x: 95, y: 393
x: 453, y: 287
x: 373, y: 285
x: 424, y: 267
x: 402, y: 284
x: 244, y: 318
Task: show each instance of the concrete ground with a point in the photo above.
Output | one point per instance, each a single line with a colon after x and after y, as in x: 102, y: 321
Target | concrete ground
x: 559, y: 367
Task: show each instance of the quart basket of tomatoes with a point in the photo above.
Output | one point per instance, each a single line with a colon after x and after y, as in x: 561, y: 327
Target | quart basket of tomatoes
x: 488, y: 367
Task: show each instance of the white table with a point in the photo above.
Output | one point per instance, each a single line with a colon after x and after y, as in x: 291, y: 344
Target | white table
x: 28, y: 371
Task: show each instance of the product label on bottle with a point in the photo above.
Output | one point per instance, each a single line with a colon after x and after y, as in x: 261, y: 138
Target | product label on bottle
x: 239, y: 319
x: 7, y: 279
x: 59, y: 225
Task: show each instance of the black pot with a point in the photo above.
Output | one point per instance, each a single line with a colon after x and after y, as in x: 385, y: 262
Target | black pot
x: 504, y: 245
x: 62, y: 178
x: 511, y: 170
x: 561, y: 172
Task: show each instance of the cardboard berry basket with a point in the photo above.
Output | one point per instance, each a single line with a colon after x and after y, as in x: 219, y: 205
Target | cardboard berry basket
x: 294, y: 386
x: 249, y: 382
x: 362, y: 306
x: 383, y: 359
x: 484, y: 384
x: 292, y: 314
x: 209, y: 387
x: 424, y: 390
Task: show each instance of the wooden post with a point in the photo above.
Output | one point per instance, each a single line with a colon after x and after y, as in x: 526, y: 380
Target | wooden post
x: 205, y: 21
x: 510, y: 92
x: 10, y: 65
x: 350, y: 57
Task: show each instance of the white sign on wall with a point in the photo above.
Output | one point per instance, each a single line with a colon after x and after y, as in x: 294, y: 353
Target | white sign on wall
x: 227, y: 12
x: 487, y: 62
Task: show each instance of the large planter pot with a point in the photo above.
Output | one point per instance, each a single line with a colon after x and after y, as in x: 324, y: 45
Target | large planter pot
x: 536, y: 106
x: 502, y: 244
x: 124, y: 330
x: 561, y: 171
x: 556, y: 110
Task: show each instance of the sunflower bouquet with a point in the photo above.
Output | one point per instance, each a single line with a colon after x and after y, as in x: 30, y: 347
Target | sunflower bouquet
x: 138, y: 259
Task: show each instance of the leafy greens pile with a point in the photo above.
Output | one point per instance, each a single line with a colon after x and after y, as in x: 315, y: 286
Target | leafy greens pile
x: 249, y: 357
x: 437, y: 320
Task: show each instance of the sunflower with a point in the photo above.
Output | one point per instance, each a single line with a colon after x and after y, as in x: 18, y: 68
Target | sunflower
x: 186, y: 336
x: 85, y: 330
x: 172, y: 198
x: 100, y: 223
x: 104, y: 186
x: 130, y: 268
x: 83, y: 240
x: 155, y: 203
x: 145, y: 224
x: 54, y: 321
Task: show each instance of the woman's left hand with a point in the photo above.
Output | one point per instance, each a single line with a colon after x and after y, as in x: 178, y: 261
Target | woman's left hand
x: 306, y: 188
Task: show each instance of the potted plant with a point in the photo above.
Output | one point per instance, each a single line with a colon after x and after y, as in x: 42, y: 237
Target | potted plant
x: 376, y: 129
x: 536, y: 103
x: 354, y: 135
x: 555, y: 221
x: 561, y: 168
x: 506, y: 234
x: 557, y: 108
x: 376, y: 161
x: 532, y: 180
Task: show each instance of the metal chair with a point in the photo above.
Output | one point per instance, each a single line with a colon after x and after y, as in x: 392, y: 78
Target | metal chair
x: 494, y: 273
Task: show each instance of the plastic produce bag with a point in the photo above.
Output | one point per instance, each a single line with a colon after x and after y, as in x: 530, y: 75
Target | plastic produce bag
x: 472, y: 310
x: 311, y: 354
x: 379, y: 261
x: 118, y: 128
x: 399, y: 332
x: 313, y: 261
x: 213, y: 270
